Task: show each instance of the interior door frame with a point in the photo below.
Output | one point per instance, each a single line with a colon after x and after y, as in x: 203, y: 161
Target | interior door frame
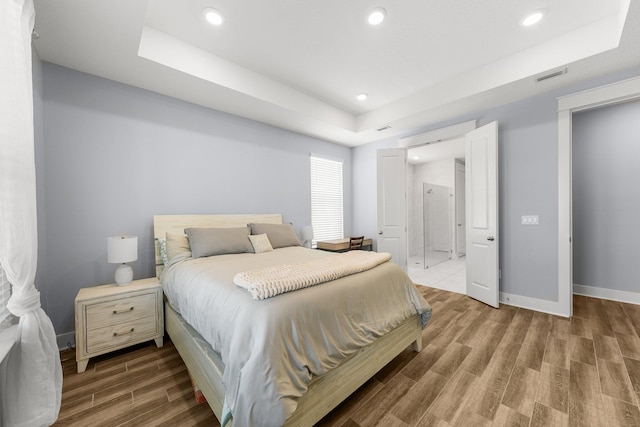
x: 457, y: 202
x: 447, y: 133
x: 615, y: 93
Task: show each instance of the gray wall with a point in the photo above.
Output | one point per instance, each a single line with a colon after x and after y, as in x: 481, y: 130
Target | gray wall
x: 110, y: 156
x: 606, y: 199
x: 528, y: 185
x: 115, y: 155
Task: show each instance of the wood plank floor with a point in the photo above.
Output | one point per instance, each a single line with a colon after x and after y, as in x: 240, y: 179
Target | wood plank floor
x: 479, y: 367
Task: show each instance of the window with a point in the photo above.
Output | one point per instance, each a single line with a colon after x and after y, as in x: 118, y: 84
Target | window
x: 326, y: 199
x: 5, y: 293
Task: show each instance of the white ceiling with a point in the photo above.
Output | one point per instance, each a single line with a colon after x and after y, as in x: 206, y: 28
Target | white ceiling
x: 299, y: 64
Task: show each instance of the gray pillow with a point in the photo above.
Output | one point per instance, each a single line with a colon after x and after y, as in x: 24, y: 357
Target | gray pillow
x: 280, y: 235
x: 218, y: 241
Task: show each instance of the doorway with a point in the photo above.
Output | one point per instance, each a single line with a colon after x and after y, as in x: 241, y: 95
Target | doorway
x: 435, y: 228
x: 625, y: 90
x: 481, y: 208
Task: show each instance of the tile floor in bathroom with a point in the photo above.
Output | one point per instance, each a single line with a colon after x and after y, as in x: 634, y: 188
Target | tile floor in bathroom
x: 449, y: 275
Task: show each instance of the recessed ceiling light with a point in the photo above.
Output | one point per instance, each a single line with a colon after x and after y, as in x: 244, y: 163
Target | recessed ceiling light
x: 532, y: 18
x: 213, y: 16
x: 416, y: 157
x: 376, y: 16
x: 362, y: 96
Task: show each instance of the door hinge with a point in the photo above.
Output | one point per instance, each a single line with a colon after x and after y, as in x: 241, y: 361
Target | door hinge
x: 499, y: 274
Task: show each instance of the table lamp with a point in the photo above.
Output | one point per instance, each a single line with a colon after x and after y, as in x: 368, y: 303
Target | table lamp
x: 307, y: 235
x: 120, y: 250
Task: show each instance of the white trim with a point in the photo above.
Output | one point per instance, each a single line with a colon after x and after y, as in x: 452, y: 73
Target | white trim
x: 565, y: 249
x: 613, y: 93
x: 8, y: 338
x: 625, y: 90
x: 545, y: 306
x: 66, y: 340
x: 438, y: 135
x: 604, y: 293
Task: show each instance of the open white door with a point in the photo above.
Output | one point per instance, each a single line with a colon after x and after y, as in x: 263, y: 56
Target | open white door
x: 392, y: 204
x: 482, y: 213
x: 461, y: 219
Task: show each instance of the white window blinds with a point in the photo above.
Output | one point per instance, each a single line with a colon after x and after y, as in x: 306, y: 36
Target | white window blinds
x: 326, y: 199
x: 5, y: 293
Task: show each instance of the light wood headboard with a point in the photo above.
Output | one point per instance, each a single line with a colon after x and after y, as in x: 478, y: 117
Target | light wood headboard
x: 177, y: 223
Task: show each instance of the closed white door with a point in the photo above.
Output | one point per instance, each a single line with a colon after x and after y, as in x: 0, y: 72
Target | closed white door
x: 392, y: 204
x: 482, y: 213
x: 461, y: 221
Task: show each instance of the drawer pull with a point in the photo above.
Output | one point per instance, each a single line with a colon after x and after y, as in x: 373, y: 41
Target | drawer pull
x: 122, y: 311
x: 115, y: 334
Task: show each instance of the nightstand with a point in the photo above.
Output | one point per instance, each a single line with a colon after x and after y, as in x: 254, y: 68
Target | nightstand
x: 112, y: 317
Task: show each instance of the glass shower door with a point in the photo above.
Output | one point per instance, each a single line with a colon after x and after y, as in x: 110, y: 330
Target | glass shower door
x: 437, y: 226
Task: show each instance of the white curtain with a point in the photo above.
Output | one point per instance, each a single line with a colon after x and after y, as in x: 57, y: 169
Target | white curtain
x: 33, y: 387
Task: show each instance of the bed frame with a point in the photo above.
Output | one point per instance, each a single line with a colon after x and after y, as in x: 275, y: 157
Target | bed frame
x: 325, y: 392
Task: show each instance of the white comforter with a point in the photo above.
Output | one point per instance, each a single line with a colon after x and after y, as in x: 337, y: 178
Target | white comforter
x: 271, y: 348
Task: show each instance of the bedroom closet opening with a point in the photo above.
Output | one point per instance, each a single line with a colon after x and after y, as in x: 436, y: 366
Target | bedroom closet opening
x: 605, y: 150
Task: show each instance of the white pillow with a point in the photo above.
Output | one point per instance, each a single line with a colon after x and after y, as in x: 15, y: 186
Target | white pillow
x: 260, y: 243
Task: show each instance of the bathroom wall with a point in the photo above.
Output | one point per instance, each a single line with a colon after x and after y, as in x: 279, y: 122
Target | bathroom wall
x: 441, y: 172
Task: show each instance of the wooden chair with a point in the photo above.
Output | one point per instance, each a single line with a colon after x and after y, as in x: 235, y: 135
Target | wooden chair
x: 355, y: 243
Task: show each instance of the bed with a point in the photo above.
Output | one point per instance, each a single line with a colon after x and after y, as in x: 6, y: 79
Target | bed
x: 314, y: 390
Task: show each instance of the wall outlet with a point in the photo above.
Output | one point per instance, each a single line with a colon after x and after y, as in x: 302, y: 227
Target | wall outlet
x: 530, y: 220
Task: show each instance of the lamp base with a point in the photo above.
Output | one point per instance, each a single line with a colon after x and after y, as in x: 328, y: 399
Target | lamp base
x: 124, y: 275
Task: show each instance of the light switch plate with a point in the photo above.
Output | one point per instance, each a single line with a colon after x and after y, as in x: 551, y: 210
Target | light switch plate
x: 530, y: 220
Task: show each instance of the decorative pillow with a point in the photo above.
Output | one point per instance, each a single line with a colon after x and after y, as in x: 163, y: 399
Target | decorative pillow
x: 162, y: 246
x: 218, y: 241
x: 280, y: 235
x: 260, y: 243
x: 177, y: 247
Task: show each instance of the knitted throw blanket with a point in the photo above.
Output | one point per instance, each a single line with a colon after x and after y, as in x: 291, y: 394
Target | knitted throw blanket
x: 271, y: 281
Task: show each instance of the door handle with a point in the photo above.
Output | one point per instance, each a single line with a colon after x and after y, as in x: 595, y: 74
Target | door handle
x: 491, y: 238
x: 380, y: 232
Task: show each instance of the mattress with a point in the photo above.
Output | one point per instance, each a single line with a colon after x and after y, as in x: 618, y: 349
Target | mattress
x: 272, y: 348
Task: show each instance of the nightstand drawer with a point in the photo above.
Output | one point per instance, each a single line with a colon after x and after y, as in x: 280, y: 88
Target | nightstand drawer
x: 120, y: 310
x: 117, y: 335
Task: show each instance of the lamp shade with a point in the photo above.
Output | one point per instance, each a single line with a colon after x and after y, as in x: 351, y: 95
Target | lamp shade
x: 307, y: 232
x: 121, y: 249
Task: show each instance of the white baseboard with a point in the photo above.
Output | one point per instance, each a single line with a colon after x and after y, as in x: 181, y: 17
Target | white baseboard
x: 604, y: 293
x: 66, y: 340
x: 545, y: 306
